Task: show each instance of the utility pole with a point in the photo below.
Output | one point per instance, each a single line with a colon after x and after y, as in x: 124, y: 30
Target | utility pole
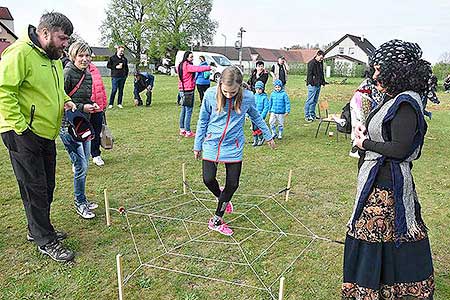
x: 240, y: 33
x: 225, y: 37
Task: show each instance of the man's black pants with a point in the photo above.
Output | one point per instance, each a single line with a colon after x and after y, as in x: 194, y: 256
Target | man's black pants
x: 33, y: 159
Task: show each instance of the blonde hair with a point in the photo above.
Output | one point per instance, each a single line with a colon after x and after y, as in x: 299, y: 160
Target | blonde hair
x: 230, y: 76
x: 78, y: 47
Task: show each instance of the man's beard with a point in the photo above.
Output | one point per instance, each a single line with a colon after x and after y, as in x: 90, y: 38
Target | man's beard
x: 52, y: 51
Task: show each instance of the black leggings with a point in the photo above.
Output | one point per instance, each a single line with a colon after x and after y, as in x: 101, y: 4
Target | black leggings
x: 233, y: 171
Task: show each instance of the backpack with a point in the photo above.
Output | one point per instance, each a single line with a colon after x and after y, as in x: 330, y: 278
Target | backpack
x: 206, y: 74
x: 347, y: 127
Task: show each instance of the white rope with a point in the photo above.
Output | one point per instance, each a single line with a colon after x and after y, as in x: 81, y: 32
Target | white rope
x: 192, y: 239
x: 157, y: 233
x: 267, y: 249
x: 207, y: 258
x: 204, y: 277
x: 292, y: 263
x: 134, y: 240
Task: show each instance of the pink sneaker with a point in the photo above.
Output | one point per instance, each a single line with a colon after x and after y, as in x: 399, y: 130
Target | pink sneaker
x: 229, y: 209
x: 182, y: 132
x: 189, y: 134
x: 222, y: 228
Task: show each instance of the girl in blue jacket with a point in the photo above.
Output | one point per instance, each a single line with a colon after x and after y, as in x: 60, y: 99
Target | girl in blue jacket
x: 220, y: 138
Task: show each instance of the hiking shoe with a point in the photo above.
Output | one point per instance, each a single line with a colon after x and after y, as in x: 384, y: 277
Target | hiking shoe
x: 57, y: 251
x: 119, y: 106
x: 229, y: 209
x: 98, y: 161
x: 84, y: 211
x: 222, y: 228
x: 60, y: 235
x: 189, y: 134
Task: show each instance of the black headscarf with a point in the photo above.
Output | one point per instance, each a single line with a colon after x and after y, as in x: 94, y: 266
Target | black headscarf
x: 402, y: 69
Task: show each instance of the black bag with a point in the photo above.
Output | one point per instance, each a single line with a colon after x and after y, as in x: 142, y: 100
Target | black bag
x: 187, y: 98
x: 346, y: 115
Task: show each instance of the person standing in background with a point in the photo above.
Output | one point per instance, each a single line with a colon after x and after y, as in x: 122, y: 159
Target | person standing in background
x: 314, y: 80
x: 280, y: 70
x: 118, y: 64
x: 202, y: 79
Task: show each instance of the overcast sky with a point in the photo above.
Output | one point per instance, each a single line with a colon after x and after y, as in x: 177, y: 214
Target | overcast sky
x: 276, y: 24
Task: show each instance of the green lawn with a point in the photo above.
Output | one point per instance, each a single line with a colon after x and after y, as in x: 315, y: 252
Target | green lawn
x: 145, y: 166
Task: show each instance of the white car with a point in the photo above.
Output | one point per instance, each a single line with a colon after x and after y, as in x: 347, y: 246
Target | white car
x: 220, y: 61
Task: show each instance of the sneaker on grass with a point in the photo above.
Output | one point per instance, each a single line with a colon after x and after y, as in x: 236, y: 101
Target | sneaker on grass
x: 60, y: 235
x: 57, y: 251
x: 98, y: 161
x: 84, y: 211
x: 222, y: 228
x: 91, y: 205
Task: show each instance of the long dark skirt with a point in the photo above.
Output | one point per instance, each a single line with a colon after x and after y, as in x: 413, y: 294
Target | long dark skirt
x: 375, y: 267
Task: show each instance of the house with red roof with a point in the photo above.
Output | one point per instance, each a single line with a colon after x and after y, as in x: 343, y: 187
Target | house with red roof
x: 7, y: 35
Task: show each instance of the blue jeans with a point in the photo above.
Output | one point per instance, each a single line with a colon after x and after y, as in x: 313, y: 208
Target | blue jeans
x: 79, y: 153
x: 185, y: 118
x: 311, y: 101
x: 117, y: 83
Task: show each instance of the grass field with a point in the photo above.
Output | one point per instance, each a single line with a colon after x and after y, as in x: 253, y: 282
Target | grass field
x: 145, y: 166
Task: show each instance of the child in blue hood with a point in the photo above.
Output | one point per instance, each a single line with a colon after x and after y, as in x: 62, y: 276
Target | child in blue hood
x: 279, y: 107
x: 220, y: 138
x: 262, y: 105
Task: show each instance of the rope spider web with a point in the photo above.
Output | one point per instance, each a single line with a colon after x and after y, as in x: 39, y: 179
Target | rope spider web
x: 195, y: 206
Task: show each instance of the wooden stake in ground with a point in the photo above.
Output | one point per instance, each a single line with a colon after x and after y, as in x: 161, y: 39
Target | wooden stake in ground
x: 288, y: 189
x: 119, y: 275
x: 107, y: 212
x: 281, y: 292
x: 183, y: 167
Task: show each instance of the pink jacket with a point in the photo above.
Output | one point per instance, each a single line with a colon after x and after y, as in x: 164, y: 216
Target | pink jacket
x: 98, y: 89
x: 189, y: 71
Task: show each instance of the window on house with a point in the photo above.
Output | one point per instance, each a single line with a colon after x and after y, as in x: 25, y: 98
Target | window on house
x: 351, y: 50
x: 341, y: 50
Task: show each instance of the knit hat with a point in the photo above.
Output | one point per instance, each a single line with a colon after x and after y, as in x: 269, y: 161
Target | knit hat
x: 278, y: 82
x: 259, y: 85
x: 79, y: 126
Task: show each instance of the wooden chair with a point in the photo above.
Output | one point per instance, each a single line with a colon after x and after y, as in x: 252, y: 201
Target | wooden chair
x: 325, y: 117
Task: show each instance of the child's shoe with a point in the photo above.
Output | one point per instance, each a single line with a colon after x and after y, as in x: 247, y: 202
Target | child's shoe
x: 189, y: 134
x: 182, y: 132
x: 229, y: 209
x: 255, y: 141
x: 222, y: 228
x: 260, y: 140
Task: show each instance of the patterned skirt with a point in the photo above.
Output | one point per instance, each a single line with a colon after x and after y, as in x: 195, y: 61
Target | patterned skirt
x: 375, y: 267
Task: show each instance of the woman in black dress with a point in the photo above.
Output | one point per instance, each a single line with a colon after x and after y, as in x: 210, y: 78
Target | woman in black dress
x: 387, y: 253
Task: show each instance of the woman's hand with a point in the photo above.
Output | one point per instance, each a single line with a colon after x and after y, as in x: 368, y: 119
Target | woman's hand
x: 88, y: 108
x: 69, y: 105
x: 359, y: 140
x: 360, y: 130
x: 271, y: 144
x: 197, y: 154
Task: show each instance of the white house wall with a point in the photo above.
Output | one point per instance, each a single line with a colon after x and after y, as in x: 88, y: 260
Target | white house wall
x: 348, y: 43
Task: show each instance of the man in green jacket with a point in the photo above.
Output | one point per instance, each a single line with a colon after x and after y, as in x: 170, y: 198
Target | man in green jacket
x: 32, y: 100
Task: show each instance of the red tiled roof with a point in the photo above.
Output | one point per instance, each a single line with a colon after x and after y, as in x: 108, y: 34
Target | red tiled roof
x: 3, y: 46
x: 5, y: 14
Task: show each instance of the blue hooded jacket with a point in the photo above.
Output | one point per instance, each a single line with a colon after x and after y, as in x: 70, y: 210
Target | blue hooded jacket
x: 221, y: 136
x: 279, y: 102
x: 262, y: 104
x: 200, y: 76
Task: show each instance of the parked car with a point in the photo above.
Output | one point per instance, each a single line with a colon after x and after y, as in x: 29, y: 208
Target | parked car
x: 218, y: 61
